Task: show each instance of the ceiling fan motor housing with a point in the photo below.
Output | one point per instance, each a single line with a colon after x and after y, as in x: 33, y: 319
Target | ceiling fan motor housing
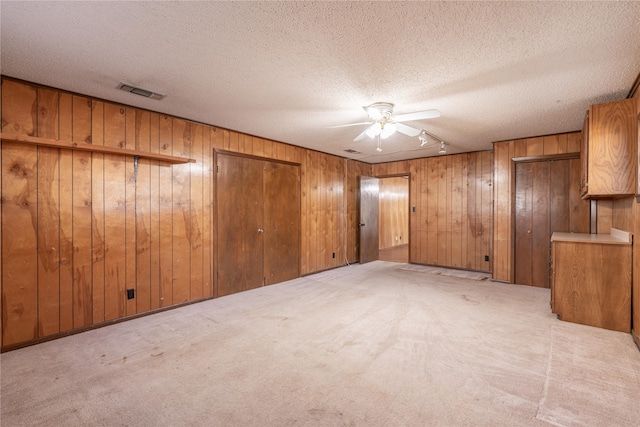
x: 380, y: 111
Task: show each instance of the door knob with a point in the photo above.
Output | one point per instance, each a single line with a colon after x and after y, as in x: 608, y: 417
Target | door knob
x: 260, y: 230
x: 528, y: 231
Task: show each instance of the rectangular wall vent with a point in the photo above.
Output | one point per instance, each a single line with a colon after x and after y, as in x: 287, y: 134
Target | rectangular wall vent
x: 139, y: 91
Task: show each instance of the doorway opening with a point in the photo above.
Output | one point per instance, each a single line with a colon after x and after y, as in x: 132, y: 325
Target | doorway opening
x: 393, y: 202
x: 384, y: 219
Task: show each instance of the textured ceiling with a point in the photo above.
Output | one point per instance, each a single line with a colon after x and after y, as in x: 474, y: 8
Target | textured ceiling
x: 289, y: 71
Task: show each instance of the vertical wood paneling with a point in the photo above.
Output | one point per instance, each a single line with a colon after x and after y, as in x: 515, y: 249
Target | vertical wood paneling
x: 98, y: 213
x: 207, y: 237
x: 453, y: 196
x: 130, y: 235
x: 487, y: 210
x: 166, y: 214
x: 182, y: 134
x: 19, y: 234
x: 143, y: 229
x: 65, y: 119
x: 48, y: 216
x: 114, y: 213
x: 432, y: 198
x: 194, y: 233
x: 414, y: 215
x: 472, y: 212
x: 149, y: 230
x: 455, y: 183
x: 154, y: 213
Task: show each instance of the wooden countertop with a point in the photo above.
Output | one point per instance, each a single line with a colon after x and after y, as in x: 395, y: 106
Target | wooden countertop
x: 617, y: 237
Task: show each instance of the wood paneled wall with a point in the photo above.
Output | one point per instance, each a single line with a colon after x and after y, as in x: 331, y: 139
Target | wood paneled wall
x: 452, y: 196
x: 79, y: 228
x: 393, y: 212
x: 504, y: 179
x: 624, y: 214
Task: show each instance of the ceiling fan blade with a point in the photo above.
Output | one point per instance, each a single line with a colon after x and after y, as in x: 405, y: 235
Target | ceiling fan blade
x: 407, y: 130
x: 361, y: 136
x: 418, y: 115
x: 347, y: 125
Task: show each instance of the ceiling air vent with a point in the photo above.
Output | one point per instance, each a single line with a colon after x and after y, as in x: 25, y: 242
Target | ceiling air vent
x: 139, y: 91
x: 352, y: 151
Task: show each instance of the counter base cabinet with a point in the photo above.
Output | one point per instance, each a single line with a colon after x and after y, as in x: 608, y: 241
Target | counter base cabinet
x: 592, y: 284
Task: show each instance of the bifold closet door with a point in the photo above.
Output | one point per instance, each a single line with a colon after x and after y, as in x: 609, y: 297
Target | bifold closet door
x: 240, y: 224
x: 547, y: 200
x: 281, y: 222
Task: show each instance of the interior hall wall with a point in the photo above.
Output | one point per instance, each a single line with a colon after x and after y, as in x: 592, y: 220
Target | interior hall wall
x: 453, y: 199
x: 394, y: 212
x: 80, y: 228
x: 504, y: 188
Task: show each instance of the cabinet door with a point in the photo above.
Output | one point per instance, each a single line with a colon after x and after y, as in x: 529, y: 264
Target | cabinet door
x: 612, y: 159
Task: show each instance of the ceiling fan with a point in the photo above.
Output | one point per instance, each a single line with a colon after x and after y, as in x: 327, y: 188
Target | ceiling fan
x: 383, y: 123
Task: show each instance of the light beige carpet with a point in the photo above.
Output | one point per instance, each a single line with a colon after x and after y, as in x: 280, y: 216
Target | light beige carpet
x: 365, y: 345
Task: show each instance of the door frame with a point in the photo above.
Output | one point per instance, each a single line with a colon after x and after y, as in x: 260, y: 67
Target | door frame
x: 514, y: 161
x: 214, y: 217
x: 409, y: 200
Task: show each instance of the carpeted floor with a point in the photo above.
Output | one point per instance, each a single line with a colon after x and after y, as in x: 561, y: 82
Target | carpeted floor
x: 365, y: 345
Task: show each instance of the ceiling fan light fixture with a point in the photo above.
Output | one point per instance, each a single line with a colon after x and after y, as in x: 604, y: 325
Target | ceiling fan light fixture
x: 387, y: 130
x: 374, y: 130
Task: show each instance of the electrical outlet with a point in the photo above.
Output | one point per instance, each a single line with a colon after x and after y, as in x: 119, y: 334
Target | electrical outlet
x: 486, y: 257
x: 333, y: 255
x: 131, y: 293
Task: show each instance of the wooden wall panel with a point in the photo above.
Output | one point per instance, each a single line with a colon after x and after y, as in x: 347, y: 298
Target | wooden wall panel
x: 115, y: 228
x: 98, y: 213
x: 65, y: 253
x: 181, y: 213
x: 48, y: 216
x: 130, y: 305
x: 453, y: 196
x: 165, y: 216
x: 82, y: 262
x: 19, y: 237
x: 142, y: 206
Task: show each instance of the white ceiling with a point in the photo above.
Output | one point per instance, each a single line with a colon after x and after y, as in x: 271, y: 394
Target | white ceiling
x: 289, y: 71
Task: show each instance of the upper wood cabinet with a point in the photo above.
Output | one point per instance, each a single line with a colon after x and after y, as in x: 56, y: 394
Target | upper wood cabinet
x: 609, y: 150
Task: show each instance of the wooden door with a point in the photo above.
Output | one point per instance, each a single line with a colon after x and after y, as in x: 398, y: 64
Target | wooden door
x: 281, y: 222
x: 240, y: 221
x: 547, y: 199
x: 369, y: 206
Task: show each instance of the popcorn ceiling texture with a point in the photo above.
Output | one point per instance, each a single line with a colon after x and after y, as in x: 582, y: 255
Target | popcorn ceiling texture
x: 289, y: 70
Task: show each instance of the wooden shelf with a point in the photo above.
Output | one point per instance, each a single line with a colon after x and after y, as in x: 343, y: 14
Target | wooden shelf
x: 94, y: 148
